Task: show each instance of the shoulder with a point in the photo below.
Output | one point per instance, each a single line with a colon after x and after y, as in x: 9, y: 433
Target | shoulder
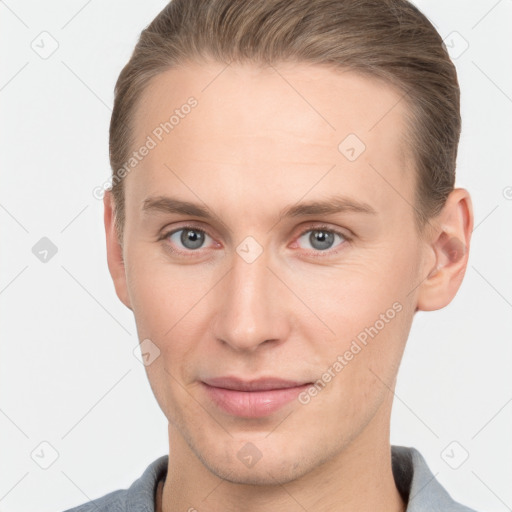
x: 140, y: 496
x: 111, y: 502
x: 418, y: 485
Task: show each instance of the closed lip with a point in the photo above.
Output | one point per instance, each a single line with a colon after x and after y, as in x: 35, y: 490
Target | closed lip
x: 260, y: 384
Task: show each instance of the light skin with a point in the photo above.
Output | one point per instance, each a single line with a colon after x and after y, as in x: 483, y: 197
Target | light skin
x: 253, y: 147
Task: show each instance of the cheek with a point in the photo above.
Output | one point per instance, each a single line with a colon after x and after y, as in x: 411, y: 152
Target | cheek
x: 163, y: 299
x: 367, y: 306
x: 170, y: 306
x: 353, y: 295
x: 161, y: 294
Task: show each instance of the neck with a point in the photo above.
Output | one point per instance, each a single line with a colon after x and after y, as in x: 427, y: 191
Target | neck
x: 358, y: 478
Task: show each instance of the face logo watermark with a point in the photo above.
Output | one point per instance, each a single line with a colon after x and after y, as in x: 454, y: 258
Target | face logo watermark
x: 455, y: 455
x: 44, y: 250
x: 44, y: 455
x: 45, y: 45
x: 455, y: 44
x: 147, y: 352
x: 249, y: 455
x: 351, y: 147
x: 249, y: 249
x: 453, y: 248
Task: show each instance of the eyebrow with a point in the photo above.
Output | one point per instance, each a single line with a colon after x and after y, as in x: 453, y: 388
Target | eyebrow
x: 329, y: 206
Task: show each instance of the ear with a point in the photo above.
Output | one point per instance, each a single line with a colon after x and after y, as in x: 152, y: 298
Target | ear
x: 115, y: 252
x: 448, y: 243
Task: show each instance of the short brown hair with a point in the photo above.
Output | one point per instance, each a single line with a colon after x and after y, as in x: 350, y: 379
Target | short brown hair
x: 388, y: 39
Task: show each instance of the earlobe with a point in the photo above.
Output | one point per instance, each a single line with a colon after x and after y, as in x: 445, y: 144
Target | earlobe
x: 115, y: 259
x: 450, y: 246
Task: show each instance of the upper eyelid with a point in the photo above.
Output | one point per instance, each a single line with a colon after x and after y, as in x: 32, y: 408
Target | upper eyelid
x: 167, y: 232
x: 337, y: 231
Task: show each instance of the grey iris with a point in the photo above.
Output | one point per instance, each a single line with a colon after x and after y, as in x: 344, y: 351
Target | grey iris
x: 192, y: 239
x: 321, y: 240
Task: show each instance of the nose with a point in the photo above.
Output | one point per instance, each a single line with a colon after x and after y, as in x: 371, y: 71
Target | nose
x: 251, y: 306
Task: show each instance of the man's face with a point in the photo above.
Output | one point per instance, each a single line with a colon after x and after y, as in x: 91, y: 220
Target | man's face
x: 253, y: 292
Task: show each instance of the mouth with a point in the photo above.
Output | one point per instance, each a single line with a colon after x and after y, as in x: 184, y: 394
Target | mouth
x: 252, y: 398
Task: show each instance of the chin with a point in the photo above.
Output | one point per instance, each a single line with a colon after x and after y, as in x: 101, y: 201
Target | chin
x: 268, y: 473
x: 278, y: 464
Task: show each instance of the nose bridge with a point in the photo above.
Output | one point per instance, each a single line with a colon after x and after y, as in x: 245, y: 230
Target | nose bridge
x: 248, y: 312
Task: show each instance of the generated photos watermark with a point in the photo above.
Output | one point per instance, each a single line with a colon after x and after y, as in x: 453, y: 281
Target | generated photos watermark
x: 356, y: 346
x: 157, y: 135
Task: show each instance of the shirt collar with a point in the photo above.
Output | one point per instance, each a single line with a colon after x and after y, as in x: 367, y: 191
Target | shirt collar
x: 414, y: 480
x: 417, y: 485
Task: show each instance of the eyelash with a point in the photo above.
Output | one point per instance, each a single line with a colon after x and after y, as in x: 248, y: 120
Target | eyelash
x: 313, y: 253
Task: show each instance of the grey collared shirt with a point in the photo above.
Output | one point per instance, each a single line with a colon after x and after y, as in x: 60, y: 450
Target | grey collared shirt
x: 414, y: 480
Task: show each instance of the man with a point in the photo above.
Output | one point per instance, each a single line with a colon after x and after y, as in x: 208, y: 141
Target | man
x: 282, y: 204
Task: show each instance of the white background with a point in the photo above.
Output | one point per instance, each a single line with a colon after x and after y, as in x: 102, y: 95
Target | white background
x: 68, y: 373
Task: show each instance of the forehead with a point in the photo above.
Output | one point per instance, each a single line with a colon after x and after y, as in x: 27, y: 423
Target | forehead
x: 258, y: 127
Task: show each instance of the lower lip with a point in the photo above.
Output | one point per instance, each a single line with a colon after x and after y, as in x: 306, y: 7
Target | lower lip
x: 252, y: 404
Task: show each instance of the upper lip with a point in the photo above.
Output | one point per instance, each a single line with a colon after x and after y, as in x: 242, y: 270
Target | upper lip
x: 261, y: 384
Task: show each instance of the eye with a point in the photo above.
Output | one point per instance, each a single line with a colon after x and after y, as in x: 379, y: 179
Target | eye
x: 189, y: 238
x: 321, y: 239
